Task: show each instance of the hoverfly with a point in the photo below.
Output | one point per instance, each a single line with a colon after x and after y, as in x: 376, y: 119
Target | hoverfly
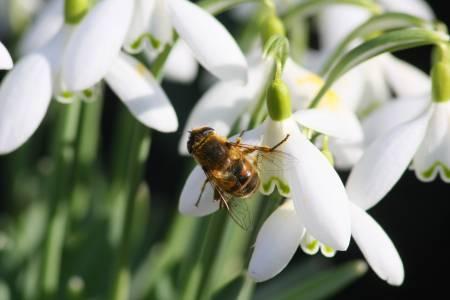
x: 231, y: 168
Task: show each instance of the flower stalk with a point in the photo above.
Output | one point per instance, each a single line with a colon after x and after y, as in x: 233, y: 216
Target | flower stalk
x: 65, y: 161
x: 440, y: 74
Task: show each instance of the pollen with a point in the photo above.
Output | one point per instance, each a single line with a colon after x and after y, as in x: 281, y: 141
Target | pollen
x: 330, y: 101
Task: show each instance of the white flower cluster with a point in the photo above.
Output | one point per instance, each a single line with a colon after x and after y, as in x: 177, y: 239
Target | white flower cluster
x: 69, y: 60
x: 370, y: 132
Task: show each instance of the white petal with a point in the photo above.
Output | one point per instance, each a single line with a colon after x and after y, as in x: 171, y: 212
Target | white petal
x: 6, y: 62
x: 224, y: 103
x: 433, y: 156
x: 96, y: 43
x: 25, y: 94
x: 350, y: 88
x: 346, y: 153
x: 161, y: 27
x: 385, y: 160
x: 405, y: 79
x: 417, y: 8
x: 376, y: 247
x: 191, y: 192
x: 181, y: 65
x: 211, y: 43
x: 303, y: 85
x: 44, y: 28
x: 319, y: 196
x: 276, y: 243
x: 392, y: 114
x: 341, y: 124
x: 335, y: 22
x: 376, y: 88
x: 140, y: 24
x: 141, y: 93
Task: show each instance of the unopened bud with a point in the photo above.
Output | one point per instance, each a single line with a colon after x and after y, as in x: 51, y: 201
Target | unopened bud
x: 278, y: 101
x: 75, y: 10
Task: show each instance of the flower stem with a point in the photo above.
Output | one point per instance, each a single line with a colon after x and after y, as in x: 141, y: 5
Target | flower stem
x: 68, y: 122
x: 137, y: 139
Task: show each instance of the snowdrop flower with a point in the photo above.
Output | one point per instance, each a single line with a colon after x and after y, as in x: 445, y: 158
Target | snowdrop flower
x: 410, y: 129
x: 95, y: 43
x: 319, y: 195
x: 208, y: 40
x: 283, y: 232
x: 6, y: 62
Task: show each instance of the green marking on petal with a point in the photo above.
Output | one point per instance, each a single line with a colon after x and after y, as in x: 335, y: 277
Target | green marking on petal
x: 88, y: 93
x: 365, y: 112
x: 153, y: 41
x: 327, y: 251
x: 283, y: 187
x: 312, y: 246
x: 428, y: 174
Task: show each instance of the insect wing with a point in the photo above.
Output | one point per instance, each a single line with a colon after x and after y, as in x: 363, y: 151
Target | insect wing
x: 240, y: 213
x: 274, y: 161
x: 237, y: 208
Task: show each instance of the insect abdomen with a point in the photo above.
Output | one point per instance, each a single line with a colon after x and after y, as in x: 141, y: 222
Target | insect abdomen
x: 245, y: 178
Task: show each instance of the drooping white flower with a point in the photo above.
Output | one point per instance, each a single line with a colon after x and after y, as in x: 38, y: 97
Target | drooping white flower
x: 420, y: 134
x: 311, y: 181
x: 283, y: 232
x: 6, y: 62
x: 133, y: 83
x: 211, y: 44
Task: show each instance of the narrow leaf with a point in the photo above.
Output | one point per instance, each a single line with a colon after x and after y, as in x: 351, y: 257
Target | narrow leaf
x: 326, y: 283
x: 376, y: 24
x: 387, y: 42
x: 309, y: 7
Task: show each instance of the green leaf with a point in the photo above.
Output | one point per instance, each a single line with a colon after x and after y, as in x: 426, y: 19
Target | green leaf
x: 231, y: 290
x: 376, y: 24
x: 387, y: 42
x: 310, y: 7
x: 4, y: 291
x: 326, y: 283
x: 216, y: 7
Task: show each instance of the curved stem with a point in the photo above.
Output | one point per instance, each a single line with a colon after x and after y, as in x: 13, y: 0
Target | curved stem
x: 309, y: 7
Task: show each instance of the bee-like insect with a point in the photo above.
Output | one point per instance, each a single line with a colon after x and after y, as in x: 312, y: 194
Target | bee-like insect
x: 230, y: 167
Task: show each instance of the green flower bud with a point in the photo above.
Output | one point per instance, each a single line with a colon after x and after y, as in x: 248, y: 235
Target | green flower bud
x: 75, y: 10
x: 278, y: 101
x: 271, y: 26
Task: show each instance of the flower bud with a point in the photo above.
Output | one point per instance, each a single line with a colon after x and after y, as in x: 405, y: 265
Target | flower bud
x: 74, y: 10
x: 278, y: 100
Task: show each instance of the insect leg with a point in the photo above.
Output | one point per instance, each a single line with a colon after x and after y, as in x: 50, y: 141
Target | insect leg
x: 280, y: 143
x: 201, y: 192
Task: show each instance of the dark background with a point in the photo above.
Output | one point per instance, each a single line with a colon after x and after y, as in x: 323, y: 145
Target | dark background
x: 416, y: 215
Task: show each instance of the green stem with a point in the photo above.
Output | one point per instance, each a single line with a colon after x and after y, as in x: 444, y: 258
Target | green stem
x: 61, y: 191
x: 378, y: 23
x: 309, y: 7
x: 138, y: 142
